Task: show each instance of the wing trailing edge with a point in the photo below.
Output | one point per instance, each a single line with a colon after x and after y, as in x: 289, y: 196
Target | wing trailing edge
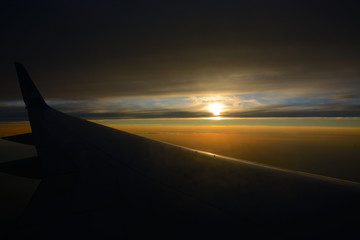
x: 27, y: 167
x: 25, y: 138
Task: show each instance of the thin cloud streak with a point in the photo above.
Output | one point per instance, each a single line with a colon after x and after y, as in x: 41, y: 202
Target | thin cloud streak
x: 242, y: 105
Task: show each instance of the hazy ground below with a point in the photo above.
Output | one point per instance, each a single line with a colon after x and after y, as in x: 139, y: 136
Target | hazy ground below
x: 331, y: 151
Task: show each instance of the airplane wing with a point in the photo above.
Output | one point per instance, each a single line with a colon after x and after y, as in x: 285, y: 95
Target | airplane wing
x: 98, y: 182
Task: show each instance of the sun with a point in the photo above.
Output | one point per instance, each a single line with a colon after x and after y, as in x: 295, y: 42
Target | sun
x: 215, y: 108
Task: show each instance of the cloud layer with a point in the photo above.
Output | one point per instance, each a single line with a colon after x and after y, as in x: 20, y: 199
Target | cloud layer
x: 260, y: 104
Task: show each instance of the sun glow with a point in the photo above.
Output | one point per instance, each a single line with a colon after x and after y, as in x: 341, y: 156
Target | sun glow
x: 215, y: 108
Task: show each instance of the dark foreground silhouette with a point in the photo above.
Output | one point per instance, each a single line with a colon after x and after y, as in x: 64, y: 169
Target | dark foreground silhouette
x: 102, y: 183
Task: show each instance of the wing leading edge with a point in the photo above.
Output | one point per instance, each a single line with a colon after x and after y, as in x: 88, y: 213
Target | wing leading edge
x: 101, y: 182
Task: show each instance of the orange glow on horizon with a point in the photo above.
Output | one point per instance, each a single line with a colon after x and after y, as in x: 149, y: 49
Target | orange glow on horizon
x: 326, y: 150
x: 8, y: 129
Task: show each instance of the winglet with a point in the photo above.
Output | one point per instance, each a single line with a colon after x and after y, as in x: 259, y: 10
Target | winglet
x: 31, y: 95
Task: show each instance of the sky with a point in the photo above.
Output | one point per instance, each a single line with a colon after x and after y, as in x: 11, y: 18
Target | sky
x: 173, y: 59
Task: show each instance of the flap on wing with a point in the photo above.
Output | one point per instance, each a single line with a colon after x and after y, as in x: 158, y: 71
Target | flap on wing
x: 27, y: 167
x: 26, y: 138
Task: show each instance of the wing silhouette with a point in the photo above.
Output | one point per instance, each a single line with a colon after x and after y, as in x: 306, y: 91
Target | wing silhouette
x: 102, y: 183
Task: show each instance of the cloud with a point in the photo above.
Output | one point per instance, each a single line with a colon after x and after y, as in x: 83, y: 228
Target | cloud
x: 241, y: 105
x: 12, y: 113
x: 300, y: 110
x: 121, y: 50
x: 164, y: 74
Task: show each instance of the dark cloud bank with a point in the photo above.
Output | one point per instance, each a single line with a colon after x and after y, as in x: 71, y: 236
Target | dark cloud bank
x: 8, y: 114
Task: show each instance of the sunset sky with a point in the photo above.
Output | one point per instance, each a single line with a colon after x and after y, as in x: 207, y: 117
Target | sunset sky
x: 261, y: 73
x: 151, y: 59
